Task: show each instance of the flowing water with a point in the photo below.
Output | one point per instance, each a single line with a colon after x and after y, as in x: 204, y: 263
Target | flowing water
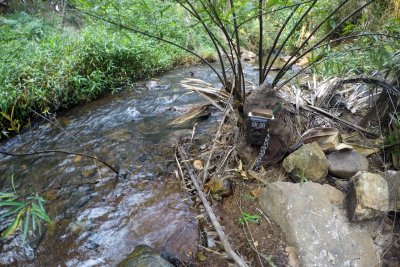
x: 98, y: 224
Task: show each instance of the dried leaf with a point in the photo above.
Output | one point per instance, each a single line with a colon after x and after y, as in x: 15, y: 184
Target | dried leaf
x: 77, y: 158
x: 327, y: 138
x: 198, y: 164
x: 255, y: 192
x: 189, y: 115
x: 343, y: 146
x: 365, y: 150
x: 200, y: 256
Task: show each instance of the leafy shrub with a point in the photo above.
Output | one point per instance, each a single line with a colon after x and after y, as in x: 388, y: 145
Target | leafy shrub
x: 46, y: 68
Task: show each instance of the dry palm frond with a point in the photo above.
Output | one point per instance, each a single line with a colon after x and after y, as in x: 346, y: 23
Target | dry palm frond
x: 193, y: 113
x: 203, y: 87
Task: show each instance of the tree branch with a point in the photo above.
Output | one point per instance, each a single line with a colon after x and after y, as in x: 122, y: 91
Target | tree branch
x: 60, y: 152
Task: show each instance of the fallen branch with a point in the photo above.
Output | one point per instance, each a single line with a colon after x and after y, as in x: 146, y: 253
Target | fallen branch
x: 217, y: 135
x: 329, y: 115
x: 239, y: 261
x: 60, y: 152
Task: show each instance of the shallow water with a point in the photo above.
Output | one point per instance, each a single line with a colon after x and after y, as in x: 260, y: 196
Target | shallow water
x: 99, y: 224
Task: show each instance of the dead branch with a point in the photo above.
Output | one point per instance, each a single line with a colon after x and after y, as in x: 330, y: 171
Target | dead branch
x: 239, y: 261
x: 329, y: 115
x: 217, y: 135
x: 60, y: 152
x: 390, y: 88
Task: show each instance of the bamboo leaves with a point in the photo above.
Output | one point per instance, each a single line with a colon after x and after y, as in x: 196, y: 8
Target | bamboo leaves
x: 26, y: 210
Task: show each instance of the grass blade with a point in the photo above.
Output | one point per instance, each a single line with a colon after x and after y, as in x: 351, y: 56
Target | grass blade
x: 11, y: 211
x: 26, y: 225
x: 13, y: 226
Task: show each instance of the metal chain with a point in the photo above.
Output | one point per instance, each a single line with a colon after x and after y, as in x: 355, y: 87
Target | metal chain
x: 260, y: 156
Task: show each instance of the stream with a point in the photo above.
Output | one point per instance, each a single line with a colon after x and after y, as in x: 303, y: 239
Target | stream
x: 99, y: 224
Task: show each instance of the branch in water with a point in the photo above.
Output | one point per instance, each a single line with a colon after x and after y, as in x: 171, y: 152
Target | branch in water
x: 60, y: 152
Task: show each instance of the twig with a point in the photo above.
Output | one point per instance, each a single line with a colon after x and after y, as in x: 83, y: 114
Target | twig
x: 57, y: 124
x: 211, y: 214
x: 217, y: 135
x: 225, y: 159
x: 67, y: 185
x: 251, y: 242
x: 180, y: 174
x: 210, y: 250
x: 263, y: 214
x: 60, y: 152
x: 193, y: 132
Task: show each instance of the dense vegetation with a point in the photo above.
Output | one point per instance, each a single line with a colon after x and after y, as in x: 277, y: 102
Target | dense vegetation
x: 56, y: 56
x: 46, y: 67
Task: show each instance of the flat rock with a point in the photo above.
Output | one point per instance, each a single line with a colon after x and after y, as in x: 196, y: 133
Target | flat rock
x: 308, y: 162
x: 327, y: 138
x: 368, y: 196
x: 346, y: 163
x: 314, y: 222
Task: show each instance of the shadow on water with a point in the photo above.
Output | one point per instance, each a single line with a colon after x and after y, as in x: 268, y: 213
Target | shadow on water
x: 99, y: 224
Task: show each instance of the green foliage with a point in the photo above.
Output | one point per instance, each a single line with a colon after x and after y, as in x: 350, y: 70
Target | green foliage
x: 46, y: 68
x: 246, y: 217
x: 27, y: 211
x: 269, y: 260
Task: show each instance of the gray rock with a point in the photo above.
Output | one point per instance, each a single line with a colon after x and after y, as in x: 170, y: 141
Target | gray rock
x: 151, y: 85
x: 368, y: 196
x: 308, y: 162
x: 144, y: 256
x: 346, y: 163
x: 393, y: 180
x: 314, y: 222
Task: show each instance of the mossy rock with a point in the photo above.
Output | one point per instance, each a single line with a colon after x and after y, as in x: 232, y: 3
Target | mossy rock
x: 144, y: 256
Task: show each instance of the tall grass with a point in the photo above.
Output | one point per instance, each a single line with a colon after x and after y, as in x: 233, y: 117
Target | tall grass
x: 46, y: 68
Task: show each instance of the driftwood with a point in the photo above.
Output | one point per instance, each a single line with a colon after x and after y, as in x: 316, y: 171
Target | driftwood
x: 239, y: 261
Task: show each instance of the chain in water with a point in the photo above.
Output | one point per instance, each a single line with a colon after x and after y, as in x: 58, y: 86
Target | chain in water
x: 260, y: 156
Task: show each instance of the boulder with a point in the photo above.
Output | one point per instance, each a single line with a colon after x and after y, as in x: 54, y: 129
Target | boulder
x: 314, y: 221
x: 368, y: 196
x: 393, y: 180
x: 308, y: 162
x: 346, y: 163
x: 246, y: 55
x: 144, y: 256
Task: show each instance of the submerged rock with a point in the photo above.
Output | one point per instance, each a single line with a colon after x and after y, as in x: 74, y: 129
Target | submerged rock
x: 346, y: 163
x: 368, y: 196
x: 144, y: 256
x: 315, y: 223
x: 151, y: 85
x: 247, y: 55
x: 307, y: 162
